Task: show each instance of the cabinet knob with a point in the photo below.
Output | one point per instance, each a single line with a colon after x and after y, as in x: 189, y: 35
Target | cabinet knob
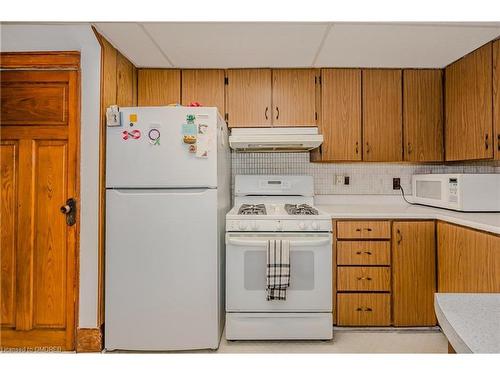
x: 498, y: 142
x: 364, y: 252
x: 410, y: 149
x: 277, y: 113
x: 364, y: 309
x: 486, y: 141
x: 357, y: 149
x: 367, y: 147
x: 364, y: 278
x: 265, y: 113
x: 399, y: 236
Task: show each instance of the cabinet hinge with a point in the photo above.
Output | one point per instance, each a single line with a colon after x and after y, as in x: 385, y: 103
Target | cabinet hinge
x: 226, y: 80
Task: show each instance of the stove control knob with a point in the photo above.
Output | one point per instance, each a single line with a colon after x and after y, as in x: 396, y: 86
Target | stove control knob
x: 254, y: 225
x: 302, y: 225
x: 279, y: 225
x: 315, y: 225
x: 242, y: 225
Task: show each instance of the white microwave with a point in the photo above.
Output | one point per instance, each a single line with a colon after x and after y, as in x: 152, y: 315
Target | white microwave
x: 460, y: 192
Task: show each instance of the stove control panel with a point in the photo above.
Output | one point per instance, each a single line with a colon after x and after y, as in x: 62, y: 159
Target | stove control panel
x: 279, y: 225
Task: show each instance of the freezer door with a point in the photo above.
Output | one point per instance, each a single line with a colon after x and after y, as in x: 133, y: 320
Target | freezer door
x: 151, y: 152
x: 162, y: 270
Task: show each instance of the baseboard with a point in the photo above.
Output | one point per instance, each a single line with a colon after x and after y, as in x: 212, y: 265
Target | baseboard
x: 89, y: 340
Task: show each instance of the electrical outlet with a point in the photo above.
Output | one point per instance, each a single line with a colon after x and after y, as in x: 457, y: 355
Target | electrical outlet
x: 396, y: 183
x: 339, y: 179
x: 346, y: 180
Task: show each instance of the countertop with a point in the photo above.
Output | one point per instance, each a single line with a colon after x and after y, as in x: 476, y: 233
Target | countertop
x: 392, y: 207
x: 470, y: 321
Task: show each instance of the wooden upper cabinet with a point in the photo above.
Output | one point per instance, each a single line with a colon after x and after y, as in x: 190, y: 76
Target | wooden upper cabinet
x: 423, y: 115
x: 126, y: 82
x: 294, y: 97
x: 248, y: 97
x: 157, y: 87
x: 496, y: 99
x: 382, y: 115
x: 341, y: 114
x: 468, y: 106
x: 413, y: 273
x: 205, y: 86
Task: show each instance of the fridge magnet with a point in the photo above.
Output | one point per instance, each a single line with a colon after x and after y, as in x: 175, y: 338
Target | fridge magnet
x: 192, y: 148
x: 134, y: 134
x: 202, y: 141
x: 154, y: 136
x: 189, y: 133
x: 132, y: 119
x: 190, y: 119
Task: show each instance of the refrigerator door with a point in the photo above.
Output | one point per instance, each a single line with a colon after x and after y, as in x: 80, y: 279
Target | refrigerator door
x: 162, y: 262
x: 148, y: 149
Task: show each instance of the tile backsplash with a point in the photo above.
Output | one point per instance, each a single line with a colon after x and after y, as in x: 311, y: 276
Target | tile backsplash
x: 364, y: 178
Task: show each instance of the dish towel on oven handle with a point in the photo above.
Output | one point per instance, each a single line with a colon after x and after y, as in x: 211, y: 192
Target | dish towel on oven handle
x: 278, y: 269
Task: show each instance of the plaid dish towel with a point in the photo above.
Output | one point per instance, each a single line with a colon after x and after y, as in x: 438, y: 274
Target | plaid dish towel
x: 278, y: 269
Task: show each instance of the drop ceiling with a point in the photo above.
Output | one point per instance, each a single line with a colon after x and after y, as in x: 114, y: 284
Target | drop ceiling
x: 295, y: 44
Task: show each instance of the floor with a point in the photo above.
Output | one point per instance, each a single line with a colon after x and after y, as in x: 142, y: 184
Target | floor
x: 350, y: 341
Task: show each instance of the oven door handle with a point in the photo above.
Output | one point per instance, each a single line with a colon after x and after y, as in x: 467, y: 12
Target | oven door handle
x: 248, y: 242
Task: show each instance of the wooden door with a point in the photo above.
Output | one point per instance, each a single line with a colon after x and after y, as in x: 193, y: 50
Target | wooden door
x: 468, y: 107
x: 382, y: 115
x: 423, y: 115
x: 413, y: 273
x: 341, y: 114
x: 205, y: 86
x: 39, y: 172
x: 468, y: 260
x: 294, y: 97
x: 157, y: 87
x: 496, y: 99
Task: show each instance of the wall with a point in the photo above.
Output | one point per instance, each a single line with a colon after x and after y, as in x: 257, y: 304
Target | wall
x: 75, y: 37
x: 365, y: 178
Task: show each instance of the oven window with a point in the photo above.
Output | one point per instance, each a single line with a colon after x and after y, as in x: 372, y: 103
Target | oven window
x: 429, y: 189
x: 301, y: 270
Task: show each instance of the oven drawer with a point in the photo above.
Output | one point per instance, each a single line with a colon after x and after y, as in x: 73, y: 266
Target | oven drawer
x: 364, y: 253
x: 364, y: 279
x: 363, y: 229
x: 364, y: 309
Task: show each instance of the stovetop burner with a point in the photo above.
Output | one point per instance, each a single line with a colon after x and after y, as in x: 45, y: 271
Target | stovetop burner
x: 300, y: 209
x: 252, y: 209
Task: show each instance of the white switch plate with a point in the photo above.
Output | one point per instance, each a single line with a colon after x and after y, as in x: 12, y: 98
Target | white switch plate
x: 339, y: 179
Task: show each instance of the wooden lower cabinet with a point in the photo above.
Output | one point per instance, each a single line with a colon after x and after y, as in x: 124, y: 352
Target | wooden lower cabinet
x: 364, y: 279
x: 368, y: 253
x: 363, y: 229
x: 364, y: 309
x: 413, y: 273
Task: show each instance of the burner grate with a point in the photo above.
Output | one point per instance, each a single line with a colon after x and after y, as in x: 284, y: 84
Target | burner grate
x: 252, y: 209
x: 300, y: 209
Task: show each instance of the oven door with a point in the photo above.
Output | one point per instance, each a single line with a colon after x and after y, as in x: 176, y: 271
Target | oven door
x: 310, y: 272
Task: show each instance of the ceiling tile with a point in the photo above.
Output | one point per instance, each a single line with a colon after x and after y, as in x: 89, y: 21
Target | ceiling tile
x: 226, y: 45
x: 383, y: 45
x: 134, y: 43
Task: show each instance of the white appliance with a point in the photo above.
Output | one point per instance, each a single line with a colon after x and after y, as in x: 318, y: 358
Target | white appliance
x: 259, y: 214
x: 275, y: 139
x: 460, y: 192
x: 165, y: 220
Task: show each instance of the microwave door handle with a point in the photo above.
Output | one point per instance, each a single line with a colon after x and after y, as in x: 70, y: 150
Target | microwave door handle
x: 249, y: 242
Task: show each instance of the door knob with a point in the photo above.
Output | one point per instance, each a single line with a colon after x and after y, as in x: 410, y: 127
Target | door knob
x: 69, y: 209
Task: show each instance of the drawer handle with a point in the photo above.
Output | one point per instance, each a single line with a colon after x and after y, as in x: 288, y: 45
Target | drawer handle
x: 399, y: 236
x: 364, y: 278
x: 364, y: 252
x: 364, y: 309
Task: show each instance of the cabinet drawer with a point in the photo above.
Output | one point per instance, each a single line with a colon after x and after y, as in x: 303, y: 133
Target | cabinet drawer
x: 364, y: 309
x: 364, y: 253
x: 358, y: 279
x: 363, y: 229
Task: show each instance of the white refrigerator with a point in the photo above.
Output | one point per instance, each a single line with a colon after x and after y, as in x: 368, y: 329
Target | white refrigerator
x: 167, y: 193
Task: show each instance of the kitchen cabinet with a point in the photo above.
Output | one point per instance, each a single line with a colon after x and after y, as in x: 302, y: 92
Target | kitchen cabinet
x: 341, y: 114
x: 294, y: 97
x: 413, y: 273
x: 369, y: 253
x: 363, y: 229
x: 126, y: 82
x: 248, y: 97
x: 158, y: 87
x: 205, y: 86
x: 364, y: 279
x: 468, y: 106
x: 423, y: 115
x: 496, y: 99
x: 382, y: 115
x: 364, y: 309
x: 468, y: 260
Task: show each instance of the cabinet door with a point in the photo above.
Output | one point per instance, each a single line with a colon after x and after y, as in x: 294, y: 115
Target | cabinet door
x: 468, y: 260
x: 341, y: 114
x: 496, y: 99
x: 294, y: 97
x: 382, y: 115
x: 248, y: 97
x: 157, y: 87
x: 423, y: 115
x: 126, y: 82
x: 413, y: 273
x: 205, y: 86
x: 468, y: 106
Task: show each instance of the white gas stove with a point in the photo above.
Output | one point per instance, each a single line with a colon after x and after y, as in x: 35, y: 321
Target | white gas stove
x: 278, y: 208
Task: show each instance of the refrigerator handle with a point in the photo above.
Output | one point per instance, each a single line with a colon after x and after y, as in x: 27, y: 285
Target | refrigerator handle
x: 165, y: 191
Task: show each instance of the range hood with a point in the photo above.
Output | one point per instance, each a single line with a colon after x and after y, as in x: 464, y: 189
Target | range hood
x: 275, y: 139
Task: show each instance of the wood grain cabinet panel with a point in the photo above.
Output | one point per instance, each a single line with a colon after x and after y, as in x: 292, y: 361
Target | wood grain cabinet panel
x: 423, y: 115
x: 468, y: 106
x: 496, y: 99
x: 341, y: 114
x: 413, y: 273
x: 363, y: 229
x: 364, y: 279
x: 365, y: 253
x: 126, y: 82
x: 248, y: 97
x: 382, y: 115
x: 294, y: 97
x: 205, y: 86
x: 468, y: 260
x: 158, y: 87
x: 364, y: 309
